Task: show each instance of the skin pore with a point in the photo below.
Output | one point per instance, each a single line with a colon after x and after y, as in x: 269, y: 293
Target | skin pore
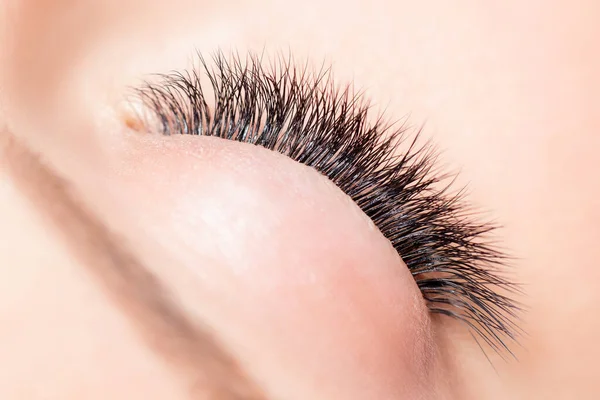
x: 508, y: 92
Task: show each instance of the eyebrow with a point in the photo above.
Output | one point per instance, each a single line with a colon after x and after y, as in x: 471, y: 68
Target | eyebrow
x: 140, y: 294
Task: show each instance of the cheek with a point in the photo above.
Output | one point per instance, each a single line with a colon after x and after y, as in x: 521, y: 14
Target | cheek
x: 293, y: 276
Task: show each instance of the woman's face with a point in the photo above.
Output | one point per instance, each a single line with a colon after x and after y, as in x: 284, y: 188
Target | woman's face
x: 135, y: 265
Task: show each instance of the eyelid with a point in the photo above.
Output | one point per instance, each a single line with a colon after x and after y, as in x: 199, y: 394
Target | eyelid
x: 388, y: 173
x: 282, y: 262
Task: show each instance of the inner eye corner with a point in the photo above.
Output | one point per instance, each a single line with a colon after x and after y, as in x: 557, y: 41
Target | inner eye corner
x: 134, y: 116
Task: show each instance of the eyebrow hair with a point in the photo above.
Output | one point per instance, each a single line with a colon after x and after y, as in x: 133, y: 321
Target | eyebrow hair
x: 139, y: 293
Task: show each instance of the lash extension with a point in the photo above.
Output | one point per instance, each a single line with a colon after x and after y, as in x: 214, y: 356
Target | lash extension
x: 455, y: 264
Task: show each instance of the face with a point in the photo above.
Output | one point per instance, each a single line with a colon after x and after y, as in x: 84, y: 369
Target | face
x: 139, y: 265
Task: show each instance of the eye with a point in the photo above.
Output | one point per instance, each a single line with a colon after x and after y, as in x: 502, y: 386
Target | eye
x: 385, y: 169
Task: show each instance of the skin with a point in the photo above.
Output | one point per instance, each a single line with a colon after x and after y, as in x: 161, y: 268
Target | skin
x: 515, y: 109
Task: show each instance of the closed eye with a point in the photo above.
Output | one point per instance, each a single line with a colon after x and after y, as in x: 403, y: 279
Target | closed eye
x: 383, y: 168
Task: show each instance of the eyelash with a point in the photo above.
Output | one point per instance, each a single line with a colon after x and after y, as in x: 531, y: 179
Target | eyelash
x: 450, y: 255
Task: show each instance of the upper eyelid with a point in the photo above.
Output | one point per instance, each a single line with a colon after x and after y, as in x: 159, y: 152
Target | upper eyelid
x: 305, y: 116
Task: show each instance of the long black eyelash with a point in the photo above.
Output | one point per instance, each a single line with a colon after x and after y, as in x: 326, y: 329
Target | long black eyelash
x: 383, y: 169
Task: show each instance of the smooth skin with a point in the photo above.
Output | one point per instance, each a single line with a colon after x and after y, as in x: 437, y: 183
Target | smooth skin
x: 509, y: 91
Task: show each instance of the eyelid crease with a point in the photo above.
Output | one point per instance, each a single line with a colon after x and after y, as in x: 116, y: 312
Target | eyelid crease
x: 141, y: 295
x: 389, y: 175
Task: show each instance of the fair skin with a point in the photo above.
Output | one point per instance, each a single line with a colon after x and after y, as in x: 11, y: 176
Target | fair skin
x: 508, y: 91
